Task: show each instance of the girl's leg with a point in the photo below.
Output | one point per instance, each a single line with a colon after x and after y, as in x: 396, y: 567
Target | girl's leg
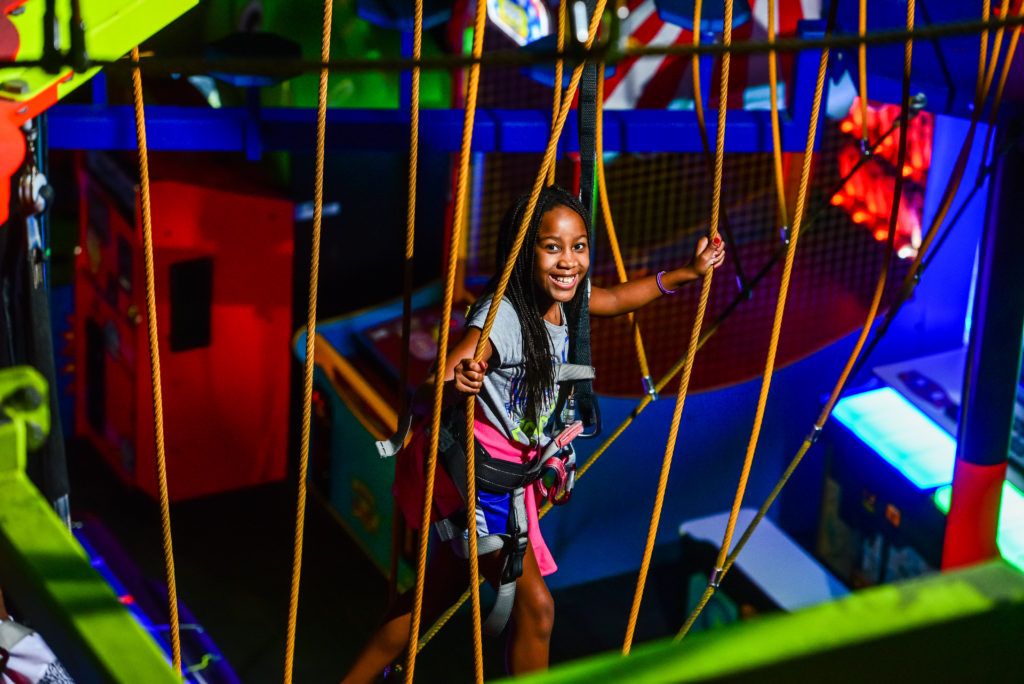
x: 533, y: 616
x: 446, y: 579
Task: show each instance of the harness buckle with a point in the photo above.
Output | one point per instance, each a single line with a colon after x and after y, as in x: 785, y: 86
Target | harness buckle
x: 784, y: 234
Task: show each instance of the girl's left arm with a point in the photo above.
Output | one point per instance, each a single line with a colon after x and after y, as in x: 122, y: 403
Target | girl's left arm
x: 634, y: 294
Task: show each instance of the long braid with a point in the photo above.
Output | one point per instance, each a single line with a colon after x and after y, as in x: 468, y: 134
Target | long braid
x: 538, y: 373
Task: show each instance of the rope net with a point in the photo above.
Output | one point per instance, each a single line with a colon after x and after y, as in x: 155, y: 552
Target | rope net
x: 661, y: 204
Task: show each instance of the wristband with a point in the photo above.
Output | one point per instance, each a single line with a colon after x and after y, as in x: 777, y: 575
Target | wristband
x: 660, y: 286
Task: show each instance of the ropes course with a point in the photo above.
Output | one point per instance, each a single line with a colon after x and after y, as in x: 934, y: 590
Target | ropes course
x: 581, y: 54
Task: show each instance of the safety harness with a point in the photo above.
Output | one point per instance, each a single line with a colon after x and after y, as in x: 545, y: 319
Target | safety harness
x: 554, y: 467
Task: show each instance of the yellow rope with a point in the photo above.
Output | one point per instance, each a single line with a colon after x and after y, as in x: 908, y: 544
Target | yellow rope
x: 558, y: 78
x: 154, y: 355
x: 983, y: 54
x: 307, y: 395
x: 862, y: 67
x: 1004, y: 7
x: 981, y: 94
x: 461, y: 192
x: 698, y: 320
x: 1010, y: 51
x: 606, y: 211
x: 773, y: 81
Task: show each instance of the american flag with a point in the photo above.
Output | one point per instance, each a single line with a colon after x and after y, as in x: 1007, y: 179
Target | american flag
x: 665, y: 82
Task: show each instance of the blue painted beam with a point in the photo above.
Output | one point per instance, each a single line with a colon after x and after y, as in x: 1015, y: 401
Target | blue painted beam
x: 496, y: 130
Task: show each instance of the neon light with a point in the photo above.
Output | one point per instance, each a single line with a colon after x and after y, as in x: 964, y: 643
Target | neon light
x: 1010, y: 535
x: 910, y: 441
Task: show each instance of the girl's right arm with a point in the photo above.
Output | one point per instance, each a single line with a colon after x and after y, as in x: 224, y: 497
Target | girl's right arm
x: 463, y: 376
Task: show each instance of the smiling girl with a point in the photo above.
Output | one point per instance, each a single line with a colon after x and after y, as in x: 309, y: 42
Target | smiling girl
x: 516, y: 391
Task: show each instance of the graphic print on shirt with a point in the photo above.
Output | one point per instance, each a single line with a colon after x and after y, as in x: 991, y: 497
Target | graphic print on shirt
x: 515, y: 406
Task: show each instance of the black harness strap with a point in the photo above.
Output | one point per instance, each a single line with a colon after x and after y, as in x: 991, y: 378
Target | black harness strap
x: 579, y: 321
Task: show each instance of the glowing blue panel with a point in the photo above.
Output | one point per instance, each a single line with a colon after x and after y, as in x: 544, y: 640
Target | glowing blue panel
x: 1010, y: 536
x: 906, y: 438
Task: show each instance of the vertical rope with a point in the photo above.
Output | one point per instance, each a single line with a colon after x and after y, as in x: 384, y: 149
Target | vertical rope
x: 307, y: 395
x: 442, y: 360
x: 862, y: 68
x: 407, y: 264
x: 705, y: 292
x: 606, y: 211
x: 1011, y: 49
x: 773, y: 81
x: 559, y: 65
x: 154, y: 355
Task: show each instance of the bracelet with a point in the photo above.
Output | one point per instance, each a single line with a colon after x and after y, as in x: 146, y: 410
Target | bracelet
x: 660, y: 286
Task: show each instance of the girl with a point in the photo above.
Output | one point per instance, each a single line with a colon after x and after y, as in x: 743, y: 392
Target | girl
x: 515, y: 389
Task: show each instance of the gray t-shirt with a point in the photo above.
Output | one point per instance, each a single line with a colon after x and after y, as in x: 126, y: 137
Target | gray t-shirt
x: 502, y: 395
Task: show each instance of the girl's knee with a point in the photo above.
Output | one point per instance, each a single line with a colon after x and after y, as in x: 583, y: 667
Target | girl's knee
x: 535, y: 609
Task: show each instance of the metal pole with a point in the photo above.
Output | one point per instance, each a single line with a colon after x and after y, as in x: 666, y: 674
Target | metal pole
x: 991, y: 374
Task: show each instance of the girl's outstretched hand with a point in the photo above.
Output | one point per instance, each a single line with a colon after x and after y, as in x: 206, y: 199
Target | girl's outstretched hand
x: 469, y: 376
x: 708, y: 255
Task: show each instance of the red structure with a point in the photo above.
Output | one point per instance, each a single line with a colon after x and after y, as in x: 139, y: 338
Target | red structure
x: 223, y: 263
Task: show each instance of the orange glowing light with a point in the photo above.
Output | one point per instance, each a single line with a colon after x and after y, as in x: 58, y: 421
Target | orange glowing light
x: 836, y: 200
x: 881, y: 234
x: 860, y: 216
x: 846, y: 126
x: 907, y: 170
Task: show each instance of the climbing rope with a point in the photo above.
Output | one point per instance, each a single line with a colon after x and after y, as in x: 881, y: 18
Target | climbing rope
x: 1011, y: 49
x: 559, y: 65
x: 862, y: 68
x: 407, y: 266
x: 430, y: 466
x: 154, y: 356
x: 698, y: 321
x: 702, y: 129
x: 307, y: 395
x: 773, y: 85
x: 613, y: 240
x: 777, y: 324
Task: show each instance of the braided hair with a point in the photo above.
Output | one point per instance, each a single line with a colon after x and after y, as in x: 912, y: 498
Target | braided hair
x: 539, y: 378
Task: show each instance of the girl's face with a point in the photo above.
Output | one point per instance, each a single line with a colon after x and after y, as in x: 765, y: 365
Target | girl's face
x: 562, y: 254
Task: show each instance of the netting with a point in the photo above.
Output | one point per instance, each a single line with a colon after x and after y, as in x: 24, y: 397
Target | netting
x: 661, y: 207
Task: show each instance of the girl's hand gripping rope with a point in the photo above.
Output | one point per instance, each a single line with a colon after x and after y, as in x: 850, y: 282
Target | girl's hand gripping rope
x: 469, y: 376
x: 708, y: 255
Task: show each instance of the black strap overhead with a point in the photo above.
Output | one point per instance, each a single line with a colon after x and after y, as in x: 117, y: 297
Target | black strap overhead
x: 579, y: 322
